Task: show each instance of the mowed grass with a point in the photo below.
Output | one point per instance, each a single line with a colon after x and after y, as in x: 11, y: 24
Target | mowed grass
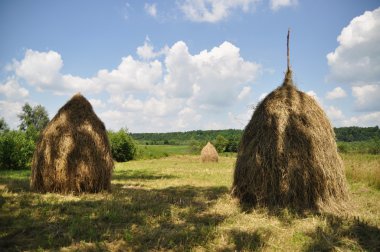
x: 179, y: 204
x: 159, y: 151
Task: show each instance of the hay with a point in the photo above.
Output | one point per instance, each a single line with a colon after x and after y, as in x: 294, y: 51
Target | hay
x: 288, y: 155
x: 73, y: 153
x: 209, y: 153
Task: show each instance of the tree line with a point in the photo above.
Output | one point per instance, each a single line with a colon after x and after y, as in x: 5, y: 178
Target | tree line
x: 343, y: 134
x: 17, y: 146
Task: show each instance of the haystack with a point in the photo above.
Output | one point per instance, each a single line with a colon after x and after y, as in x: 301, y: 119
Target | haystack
x: 288, y: 155
x: 73, y: 153
x: 209, y: 153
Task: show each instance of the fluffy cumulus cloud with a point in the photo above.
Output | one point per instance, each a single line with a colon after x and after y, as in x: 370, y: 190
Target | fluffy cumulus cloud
x: 210, y: 78
x: 278, y: 4
x: 213, y: 11
x: 131, y: 75
x: 39, y: 68
x: 148, y: 93
x: 147, y: 52
x: 355, y: 61
x: 336, y: 93
x: 12, y: 90
x: 42, y: 70
x: 367, y: 97
x: 9, y: 111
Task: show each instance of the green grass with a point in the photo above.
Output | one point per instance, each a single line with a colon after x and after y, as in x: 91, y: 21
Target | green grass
x: 177, y: 203
x: 159, y: 151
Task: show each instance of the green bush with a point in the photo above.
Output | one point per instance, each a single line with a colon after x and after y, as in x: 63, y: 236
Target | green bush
x: 123, y: 147
x: 16, y: 150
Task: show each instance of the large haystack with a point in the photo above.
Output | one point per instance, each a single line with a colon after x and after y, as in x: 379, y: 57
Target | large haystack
x: 73, y: 153
x: 209, y: 153
x: 288, y: 155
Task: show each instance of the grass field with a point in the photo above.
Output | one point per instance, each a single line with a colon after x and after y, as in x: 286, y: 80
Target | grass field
x: 177, y: 203
x: 160, y: 151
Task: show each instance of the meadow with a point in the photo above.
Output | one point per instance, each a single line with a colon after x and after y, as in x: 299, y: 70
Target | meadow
x: 177, y: 203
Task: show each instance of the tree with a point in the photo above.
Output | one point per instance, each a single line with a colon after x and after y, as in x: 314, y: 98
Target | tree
x: 33, y: 120
x: 3, y: 125
x: 123, y: 147
x: 220, y: 143
x: 36, y: 116
x: 16, y: 150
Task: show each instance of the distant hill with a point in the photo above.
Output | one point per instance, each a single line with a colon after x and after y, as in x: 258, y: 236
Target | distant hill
x: 344, y: 134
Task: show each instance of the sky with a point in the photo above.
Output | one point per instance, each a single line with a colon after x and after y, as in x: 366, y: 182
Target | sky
x: 163, y: 66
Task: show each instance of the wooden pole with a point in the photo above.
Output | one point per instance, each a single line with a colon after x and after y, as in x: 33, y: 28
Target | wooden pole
x: 287, y: 45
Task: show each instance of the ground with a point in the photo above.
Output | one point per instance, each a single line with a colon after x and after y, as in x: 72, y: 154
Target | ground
x: 177, y: 203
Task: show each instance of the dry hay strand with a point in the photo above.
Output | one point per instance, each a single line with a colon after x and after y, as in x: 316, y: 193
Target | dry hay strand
x: 209, y: 153
x: 73, y: 153
x: 288, y: 155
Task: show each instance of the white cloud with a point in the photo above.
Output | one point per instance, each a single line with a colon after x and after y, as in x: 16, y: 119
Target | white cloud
x: 151, y: 9
x: 336, y: 93
x: 130, y: 75
x: 187, y: 117
x: 210, y: 78
x: 365, y: 120
x: 39, y: 68
x: 9, y: 110
x: 334, y: 113
x: 147, y: 52
x: 356, y: 60
x: 367, y: 97
x: 278, y: 4
x: 12, y: 90
x: 97, y: 103
x: 244, y: 93
x: 213, y: 11
x: 42, y: 70
x: 155, y: 94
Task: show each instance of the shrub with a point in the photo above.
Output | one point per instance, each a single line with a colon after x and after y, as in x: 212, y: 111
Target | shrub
x: 123, y: 147
x: 16, y: 150
x: 342, y: 147
x: 220, y: 143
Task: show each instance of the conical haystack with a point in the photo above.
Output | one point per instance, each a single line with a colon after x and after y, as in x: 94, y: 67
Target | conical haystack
x: 73, y: 153
x: 288, y: 155
x: 209, y: 153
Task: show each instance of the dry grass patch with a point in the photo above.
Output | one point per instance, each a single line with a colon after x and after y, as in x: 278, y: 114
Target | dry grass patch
x: 178, y: 204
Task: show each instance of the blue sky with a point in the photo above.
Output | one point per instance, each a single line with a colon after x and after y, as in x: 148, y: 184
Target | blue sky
x: 159, y: 66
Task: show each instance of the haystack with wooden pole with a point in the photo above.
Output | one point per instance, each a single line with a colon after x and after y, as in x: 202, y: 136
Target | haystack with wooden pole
x: 288, y: 155
x: 73, y: 153
x: 209, y: 153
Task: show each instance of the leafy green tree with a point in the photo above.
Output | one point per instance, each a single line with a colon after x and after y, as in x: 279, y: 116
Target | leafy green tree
x: 33, y: 120
x: 123, y: 147
x: 232, y: 145
x: 220, y: 143
x: 16, y: 150
x: 3, y: 125
x: 195, y: 146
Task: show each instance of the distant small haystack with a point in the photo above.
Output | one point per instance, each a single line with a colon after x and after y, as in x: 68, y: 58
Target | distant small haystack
x: 209, y: 153
x: 288, y: 155
x: 73, y: 153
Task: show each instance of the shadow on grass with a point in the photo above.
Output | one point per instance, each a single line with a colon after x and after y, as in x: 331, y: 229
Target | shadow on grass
x: 174, y: 218
x: 247, y: 241
x: 340, y: 229
x: 15, y: 185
